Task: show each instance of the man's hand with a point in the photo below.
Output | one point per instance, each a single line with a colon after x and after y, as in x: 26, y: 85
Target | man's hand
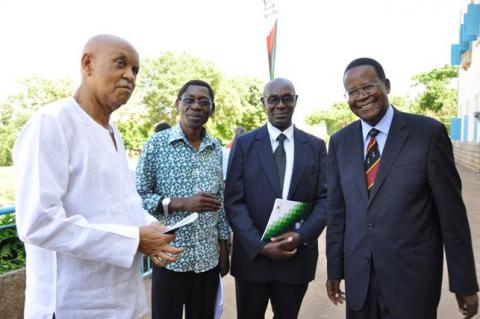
x: 467, y: 304
x: 275, y: 250
x: 155, y: 244
x: 224, y: 262
x: 334, y: 292
x: 199, y: 202
x: 289, y: 241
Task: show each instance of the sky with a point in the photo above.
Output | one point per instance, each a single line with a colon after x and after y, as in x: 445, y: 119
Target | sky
x: 316, y: 38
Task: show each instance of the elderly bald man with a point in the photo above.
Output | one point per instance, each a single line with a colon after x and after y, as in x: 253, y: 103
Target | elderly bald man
x: 77, y: 208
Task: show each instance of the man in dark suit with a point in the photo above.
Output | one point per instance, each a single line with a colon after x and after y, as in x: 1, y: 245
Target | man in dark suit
x: 394, y: 203
x: 274, y: 161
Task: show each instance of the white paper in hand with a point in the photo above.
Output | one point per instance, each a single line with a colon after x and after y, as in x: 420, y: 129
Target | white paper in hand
x: 187, y: 220
x: 219, y: 299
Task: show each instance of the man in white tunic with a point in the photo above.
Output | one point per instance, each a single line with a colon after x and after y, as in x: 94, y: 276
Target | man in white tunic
x: 77, y: 208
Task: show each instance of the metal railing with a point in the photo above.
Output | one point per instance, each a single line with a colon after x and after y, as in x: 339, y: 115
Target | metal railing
x: 146, y: 266
x: 7, y: 211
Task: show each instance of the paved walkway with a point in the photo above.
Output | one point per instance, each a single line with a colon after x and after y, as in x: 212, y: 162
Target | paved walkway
x: 316, y: 304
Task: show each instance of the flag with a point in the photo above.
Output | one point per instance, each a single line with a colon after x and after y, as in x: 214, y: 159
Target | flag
x: 271, y: 21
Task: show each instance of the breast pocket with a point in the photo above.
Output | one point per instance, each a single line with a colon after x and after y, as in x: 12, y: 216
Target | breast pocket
x: 408, y: 173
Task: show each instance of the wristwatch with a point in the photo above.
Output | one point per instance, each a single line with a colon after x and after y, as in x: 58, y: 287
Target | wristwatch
x: 165, y: 203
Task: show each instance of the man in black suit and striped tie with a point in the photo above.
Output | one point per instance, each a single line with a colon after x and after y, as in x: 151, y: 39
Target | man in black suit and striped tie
x: 394, y: 204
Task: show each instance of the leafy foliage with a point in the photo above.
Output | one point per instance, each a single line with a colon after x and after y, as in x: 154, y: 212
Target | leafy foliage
x: 16, y: 109
x: 437, y: 100
x: 236, y: 99
x: 12, y: 250
x: 336, y: 118
x: 6, y: 190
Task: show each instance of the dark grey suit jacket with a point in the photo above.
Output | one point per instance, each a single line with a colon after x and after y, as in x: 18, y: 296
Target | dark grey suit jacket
x: 251, y: 188
x: 415, y: 210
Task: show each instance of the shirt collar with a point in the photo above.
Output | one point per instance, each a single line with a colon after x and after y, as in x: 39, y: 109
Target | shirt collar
x: 177, y: 134
x: 383, y: 125
x: 275, y: 132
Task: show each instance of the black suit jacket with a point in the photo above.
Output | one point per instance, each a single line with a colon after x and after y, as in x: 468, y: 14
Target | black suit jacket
x: 251, y: 188
x: 414, y: 211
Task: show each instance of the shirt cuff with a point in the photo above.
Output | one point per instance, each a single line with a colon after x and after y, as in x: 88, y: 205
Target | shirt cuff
x: 149, y: 218
x: 122, y: 230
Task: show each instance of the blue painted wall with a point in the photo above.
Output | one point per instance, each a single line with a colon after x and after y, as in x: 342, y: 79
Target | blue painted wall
x: 455, y: 128
x: 465, y: 128
x: 475, y: 129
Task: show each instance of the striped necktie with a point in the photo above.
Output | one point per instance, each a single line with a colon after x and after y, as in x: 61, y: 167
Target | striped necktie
x: 372, y: 160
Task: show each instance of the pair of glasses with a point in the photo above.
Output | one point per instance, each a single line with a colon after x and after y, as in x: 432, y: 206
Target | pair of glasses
x: 286, y: 99
x: 366, y: 89
x: 202, y: 102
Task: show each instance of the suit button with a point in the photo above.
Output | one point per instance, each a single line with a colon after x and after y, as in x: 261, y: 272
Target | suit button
x: 370, y: 225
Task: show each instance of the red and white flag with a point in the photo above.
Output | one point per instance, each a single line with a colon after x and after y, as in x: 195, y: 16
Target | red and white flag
x: 271, y: 21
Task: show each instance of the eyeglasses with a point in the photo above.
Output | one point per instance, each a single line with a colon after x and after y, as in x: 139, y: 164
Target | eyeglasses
x: 202, y: 102
x: 287, y: 99
x: 367, y: 90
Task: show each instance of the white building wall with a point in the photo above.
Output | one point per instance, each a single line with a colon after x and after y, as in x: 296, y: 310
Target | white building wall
x: 469, y: 89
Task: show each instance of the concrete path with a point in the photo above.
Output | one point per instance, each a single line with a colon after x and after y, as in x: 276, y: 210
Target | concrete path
x: 316, y: 304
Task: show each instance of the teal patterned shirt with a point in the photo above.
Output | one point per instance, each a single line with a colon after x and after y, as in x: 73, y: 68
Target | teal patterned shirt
x: 170, y: 167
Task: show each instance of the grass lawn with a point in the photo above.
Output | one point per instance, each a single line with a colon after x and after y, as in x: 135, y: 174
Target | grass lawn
x: 7, y: 196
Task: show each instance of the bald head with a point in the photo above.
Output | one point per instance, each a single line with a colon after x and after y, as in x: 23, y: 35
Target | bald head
x: 101, y: 41
x: 279, y: 99
x: 278, y: 82
x: 109, y: 69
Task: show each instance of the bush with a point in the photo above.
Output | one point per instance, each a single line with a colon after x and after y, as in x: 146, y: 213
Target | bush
x: 12, y: 250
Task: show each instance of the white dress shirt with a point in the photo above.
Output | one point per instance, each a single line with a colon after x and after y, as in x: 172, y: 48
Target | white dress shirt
x: 78, y: 213
x: 383, y: 126
x: 289, y: 145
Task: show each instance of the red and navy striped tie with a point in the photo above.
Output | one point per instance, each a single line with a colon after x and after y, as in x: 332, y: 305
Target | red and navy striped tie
x: 372, y: 160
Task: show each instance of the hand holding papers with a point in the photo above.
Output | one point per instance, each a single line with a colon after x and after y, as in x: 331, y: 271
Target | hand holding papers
x: 187, y: 220
x: 285, y: 214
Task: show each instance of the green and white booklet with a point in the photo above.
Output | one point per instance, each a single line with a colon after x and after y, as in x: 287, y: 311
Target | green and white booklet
x: 285, y: 214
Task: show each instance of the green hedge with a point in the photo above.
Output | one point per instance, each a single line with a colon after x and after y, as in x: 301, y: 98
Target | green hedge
x: 12, y: 250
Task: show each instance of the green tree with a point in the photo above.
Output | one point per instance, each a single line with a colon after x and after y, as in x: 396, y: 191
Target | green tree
x: 236, y: 99
x: 439, y: 99
x: 17, y: 109
x: 249, y: 110
x: 402, y: 103
x: 337, y: 117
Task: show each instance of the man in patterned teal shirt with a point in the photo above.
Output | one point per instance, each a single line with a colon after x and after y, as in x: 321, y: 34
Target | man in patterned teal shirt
x: 180, y: 172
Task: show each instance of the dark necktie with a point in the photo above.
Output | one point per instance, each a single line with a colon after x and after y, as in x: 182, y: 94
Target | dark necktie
x: 280, y: 159
x: 372, y: 160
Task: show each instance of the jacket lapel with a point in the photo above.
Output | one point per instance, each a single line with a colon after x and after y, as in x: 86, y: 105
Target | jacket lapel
x: 395, y: 140
x: 300, y: 158
x: 356, y: 145
x: 263, y: 147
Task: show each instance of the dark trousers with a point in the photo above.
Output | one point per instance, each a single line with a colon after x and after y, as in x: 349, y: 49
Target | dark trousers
x: 374, y: 306
x: 252, y: 299
x: 171, y: 290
